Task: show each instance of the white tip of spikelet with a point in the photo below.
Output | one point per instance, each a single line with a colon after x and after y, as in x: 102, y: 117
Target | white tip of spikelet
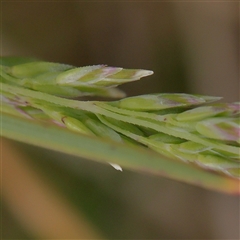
x: 116, y: 166
x: 142, y: 73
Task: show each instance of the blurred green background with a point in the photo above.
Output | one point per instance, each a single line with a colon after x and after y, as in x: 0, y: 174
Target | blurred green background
x: 192, y: 47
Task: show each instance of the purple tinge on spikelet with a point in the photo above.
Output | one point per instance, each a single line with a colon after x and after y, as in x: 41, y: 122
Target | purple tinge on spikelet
x: 220, y: 128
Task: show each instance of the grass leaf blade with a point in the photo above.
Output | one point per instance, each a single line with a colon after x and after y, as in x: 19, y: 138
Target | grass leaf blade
x: 128, y: 157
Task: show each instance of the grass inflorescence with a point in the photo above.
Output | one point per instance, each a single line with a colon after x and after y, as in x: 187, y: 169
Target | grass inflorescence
x: 190, y: 128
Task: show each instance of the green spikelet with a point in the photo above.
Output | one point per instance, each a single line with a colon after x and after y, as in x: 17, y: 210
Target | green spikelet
x: 153, y: 102
x: 66, y: 80
x: 226, y: 129
x: 33, y: 69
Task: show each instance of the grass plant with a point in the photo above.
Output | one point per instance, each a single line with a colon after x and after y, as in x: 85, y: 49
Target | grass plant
x: 186, y: 137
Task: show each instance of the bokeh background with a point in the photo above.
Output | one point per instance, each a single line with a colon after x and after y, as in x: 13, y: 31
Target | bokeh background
x: 191, y: 46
